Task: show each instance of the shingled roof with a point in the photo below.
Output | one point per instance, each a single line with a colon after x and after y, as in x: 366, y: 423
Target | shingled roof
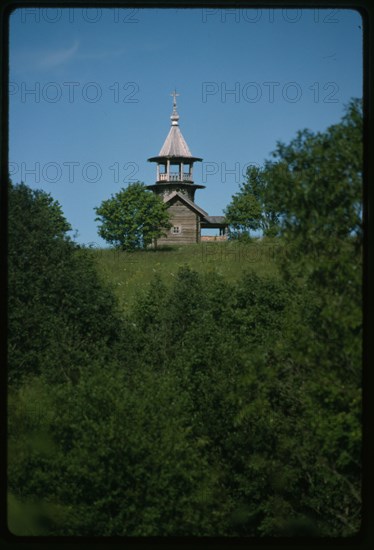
x: 175, y: 144
x: 216, y: 219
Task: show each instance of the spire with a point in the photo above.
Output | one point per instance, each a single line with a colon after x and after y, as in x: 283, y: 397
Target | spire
x: 174, y: 117
x: 175, y: 146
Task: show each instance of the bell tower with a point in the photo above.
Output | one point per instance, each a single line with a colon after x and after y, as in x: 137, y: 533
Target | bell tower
x: 175, y: 163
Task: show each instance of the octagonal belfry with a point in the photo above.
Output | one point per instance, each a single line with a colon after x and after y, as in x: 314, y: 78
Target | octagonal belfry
x: 175, y: 162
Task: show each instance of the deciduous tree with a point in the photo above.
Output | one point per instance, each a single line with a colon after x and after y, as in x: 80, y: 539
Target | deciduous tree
x: 132, y: 218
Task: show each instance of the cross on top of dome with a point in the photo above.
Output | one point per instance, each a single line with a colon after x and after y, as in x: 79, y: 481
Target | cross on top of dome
x: 175, y: 147
x: 174, y: 94
x: 174, y: 117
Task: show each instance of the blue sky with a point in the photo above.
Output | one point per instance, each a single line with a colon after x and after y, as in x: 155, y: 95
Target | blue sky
x: 90, y: 94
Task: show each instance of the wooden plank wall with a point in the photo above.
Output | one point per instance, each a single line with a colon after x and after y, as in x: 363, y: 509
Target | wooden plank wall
x: 187, y: 220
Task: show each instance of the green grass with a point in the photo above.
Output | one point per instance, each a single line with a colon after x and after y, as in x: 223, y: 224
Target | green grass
x: 131, y: 272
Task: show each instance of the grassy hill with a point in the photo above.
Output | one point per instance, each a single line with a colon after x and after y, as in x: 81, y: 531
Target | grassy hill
x: 130, y: 272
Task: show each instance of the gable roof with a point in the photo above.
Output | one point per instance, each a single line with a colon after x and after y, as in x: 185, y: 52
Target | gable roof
x: 188, y: 202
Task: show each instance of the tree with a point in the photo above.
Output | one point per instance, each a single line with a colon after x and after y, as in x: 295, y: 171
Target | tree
x: 316, y: 181
x: 244, y: 212
x: 112, y: 456
x: 247, y: 210
x: 316, y: 184
x: 310, y: 193
x: 132, y: 218
x: 60, y: 313
x: 311, y: 373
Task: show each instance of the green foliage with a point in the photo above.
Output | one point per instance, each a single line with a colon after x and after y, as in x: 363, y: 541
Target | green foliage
x: 271, y: 410
x: 244, y: 212
x: 132, y: 218
x: 219, y: 405
x: 316, y: 181
x: 247, y: 210
x: 125, y: 461
x: 60, y: 314
x: 130, y: 273
x: 229, y: 422
x: 32, y: 507
x: 311, y: 192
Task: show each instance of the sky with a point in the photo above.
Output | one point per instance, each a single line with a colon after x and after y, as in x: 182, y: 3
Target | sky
x: 90, y: 94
